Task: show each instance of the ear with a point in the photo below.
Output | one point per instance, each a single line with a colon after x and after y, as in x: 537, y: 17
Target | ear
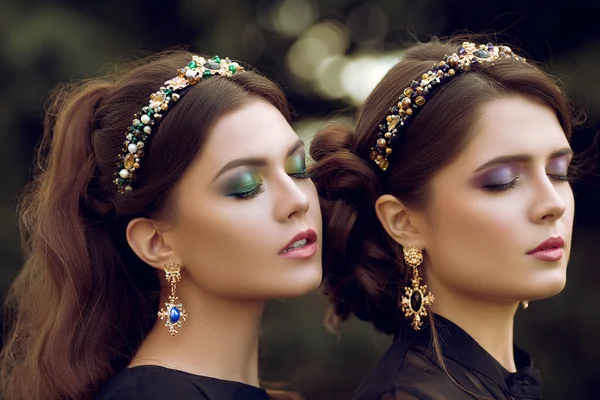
x: 148, y: 243
x: 404, y: 226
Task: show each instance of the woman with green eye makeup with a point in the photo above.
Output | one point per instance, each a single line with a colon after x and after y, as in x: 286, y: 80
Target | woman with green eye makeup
x: 172, y: 201
x: 446, y: 208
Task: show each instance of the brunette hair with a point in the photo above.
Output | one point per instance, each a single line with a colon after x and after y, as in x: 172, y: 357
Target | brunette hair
x: 364, y: 271
x: 84, y: 302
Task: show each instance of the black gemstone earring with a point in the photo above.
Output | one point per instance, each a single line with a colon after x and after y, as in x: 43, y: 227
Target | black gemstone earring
x: 416, y: 298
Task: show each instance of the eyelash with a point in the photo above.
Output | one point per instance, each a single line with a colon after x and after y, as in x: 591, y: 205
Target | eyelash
x: 562, y: 178
x: 302, y: 175
x: 260, y: 187
x: 503, y: 187
x: 512, y: 184
x: 251, y: 194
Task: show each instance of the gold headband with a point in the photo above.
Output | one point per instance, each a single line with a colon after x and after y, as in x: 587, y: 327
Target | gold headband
x: 414, y: 97
x: 145, y: 122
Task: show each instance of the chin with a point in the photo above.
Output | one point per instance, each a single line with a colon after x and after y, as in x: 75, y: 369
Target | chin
x: 298, y: 281
x: 301, y: 285
x: 547, y: 287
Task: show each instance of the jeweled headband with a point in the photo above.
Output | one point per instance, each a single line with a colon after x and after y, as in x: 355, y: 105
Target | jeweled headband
x: 414, y: 97
x: 146, y: 121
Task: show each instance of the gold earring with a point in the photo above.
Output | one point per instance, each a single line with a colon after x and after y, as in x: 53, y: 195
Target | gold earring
x: 525, y: 304
x: 415, y: 297
x: 174, y: 313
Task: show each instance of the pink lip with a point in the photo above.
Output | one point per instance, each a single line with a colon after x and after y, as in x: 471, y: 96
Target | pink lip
x: 549, y: 250
x: 306, y: 251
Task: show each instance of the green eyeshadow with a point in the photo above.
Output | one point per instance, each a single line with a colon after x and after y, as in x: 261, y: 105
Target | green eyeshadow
x: 243, y: 183
x: 296, y: 164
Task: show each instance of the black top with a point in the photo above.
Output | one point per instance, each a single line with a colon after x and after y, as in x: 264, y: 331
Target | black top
x: 409, y: 370
x: 151, y: 382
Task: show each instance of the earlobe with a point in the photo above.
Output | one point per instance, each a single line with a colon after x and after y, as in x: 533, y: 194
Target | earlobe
x: 400, y: 223
x: 148, y: 243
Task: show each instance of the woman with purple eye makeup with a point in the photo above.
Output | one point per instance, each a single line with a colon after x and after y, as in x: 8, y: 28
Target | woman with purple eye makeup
x: 446, y: 208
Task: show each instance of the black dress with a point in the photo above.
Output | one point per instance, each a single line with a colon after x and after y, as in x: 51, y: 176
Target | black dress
x: 150, y: 382
x: 409, y: 370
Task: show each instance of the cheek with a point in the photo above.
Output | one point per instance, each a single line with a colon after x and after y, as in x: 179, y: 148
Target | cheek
x: 568, y: 197
x: 475, y: 238
x: 315, y: 209
x: 224, y: 239
x: 230, y: 248
x: 476, y: 222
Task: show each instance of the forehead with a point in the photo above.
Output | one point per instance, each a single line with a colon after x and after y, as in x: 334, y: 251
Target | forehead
x: 258, y: 124
x: 514, y: 126
x: 257, y: 129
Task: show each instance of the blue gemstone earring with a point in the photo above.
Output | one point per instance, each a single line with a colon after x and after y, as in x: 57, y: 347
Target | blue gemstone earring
x: 174, y: 313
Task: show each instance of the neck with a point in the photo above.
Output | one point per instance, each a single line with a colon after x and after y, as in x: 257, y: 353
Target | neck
x: 219, y: 338
x: 490, y: 324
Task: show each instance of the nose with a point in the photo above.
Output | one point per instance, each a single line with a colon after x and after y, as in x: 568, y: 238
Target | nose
x: 550, y: 200
x: 292, y: 199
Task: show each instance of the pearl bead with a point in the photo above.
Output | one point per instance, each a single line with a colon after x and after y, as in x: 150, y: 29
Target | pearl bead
x: 140, y: 145
x: 145, y: 119
x: 132, y: 148
x: 147, y: 129
x: 124, y: 174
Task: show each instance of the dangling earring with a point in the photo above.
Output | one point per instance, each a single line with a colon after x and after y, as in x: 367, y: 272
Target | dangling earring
x: 415, y: 297
x: 525, y: 304
x: 174, y: 313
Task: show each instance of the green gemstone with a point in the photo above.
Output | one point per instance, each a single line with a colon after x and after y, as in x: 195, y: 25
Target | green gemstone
x: 192, y: 64
x: 216, y: 59
x: 232, y: 68
x: 207, y: 74
x: 169, y: 92
x: 120, y: 181
x: 150, y: 112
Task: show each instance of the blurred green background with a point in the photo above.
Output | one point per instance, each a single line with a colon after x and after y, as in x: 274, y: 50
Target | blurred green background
x: 327, y: 55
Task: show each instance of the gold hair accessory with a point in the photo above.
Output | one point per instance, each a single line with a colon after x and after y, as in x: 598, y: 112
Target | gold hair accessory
x: 414, y: 97
x: 174, y: 313
x: 415, y: 297
x: 145, y: 122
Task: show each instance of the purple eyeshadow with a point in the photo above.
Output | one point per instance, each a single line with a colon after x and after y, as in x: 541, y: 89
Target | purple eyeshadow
x: 558, y: 166
x: 498, y: 176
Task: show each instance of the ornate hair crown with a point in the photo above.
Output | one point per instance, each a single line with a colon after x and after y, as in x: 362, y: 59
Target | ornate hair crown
x: 414, y: 97
x: 138, y: 135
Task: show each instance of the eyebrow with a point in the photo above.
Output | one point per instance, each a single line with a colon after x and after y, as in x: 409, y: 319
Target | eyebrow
x: 255, y: 161
x: 522, y: 158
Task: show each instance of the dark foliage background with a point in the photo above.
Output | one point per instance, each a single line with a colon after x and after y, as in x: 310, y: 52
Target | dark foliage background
x: 327, y: 55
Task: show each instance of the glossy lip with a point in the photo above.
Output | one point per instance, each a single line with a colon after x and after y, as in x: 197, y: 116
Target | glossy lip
x: 551, y: 243
x: 310, y: 236
x: 549, y: 250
